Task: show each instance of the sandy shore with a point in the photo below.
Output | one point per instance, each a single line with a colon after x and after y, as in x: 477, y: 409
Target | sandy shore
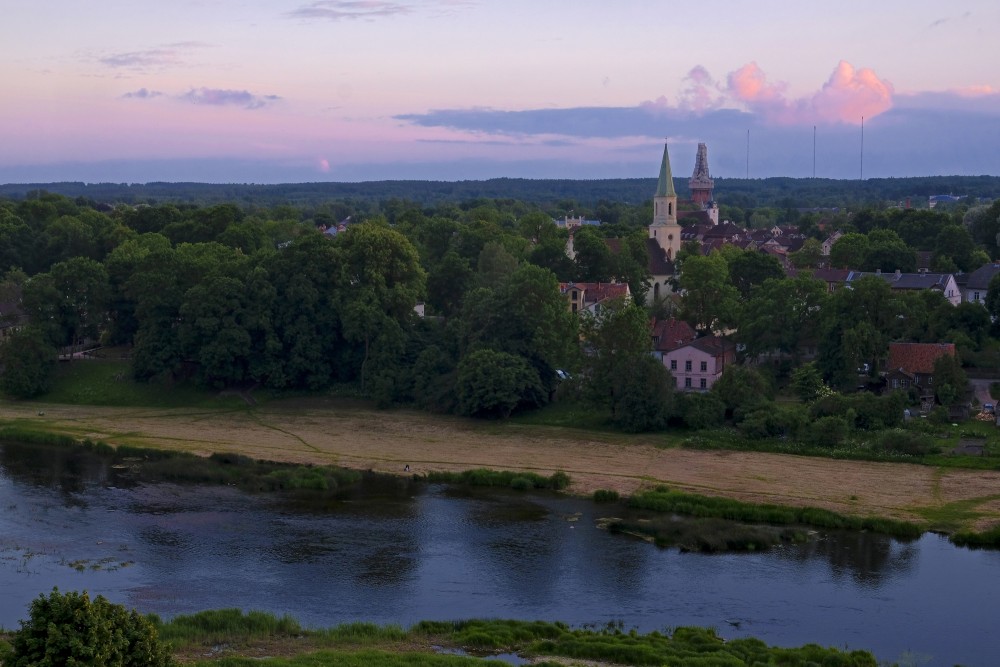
x: 331, y: 432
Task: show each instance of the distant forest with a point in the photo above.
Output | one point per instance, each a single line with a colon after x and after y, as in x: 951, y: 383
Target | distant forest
x: 745, y: 193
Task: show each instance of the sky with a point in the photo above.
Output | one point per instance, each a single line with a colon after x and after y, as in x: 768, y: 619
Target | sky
x: 271, y: 91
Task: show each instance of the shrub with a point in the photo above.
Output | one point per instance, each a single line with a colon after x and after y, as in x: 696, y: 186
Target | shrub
x: 906, y: 442
x: 827, y: 431
x: 605, y: 496
x: 72, y: 629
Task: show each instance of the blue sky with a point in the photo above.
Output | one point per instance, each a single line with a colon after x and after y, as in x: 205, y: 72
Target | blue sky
x: 313, y: 90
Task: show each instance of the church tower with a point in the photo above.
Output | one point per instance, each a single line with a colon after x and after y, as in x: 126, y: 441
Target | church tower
x: 665, y: 229
x: 701, y: 183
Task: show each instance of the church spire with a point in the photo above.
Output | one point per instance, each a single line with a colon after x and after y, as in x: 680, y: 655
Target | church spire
x: 665, y: 187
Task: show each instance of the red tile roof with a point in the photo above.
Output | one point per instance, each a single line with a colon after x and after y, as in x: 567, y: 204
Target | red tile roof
x: 917, y: 357
x: 671, y: 334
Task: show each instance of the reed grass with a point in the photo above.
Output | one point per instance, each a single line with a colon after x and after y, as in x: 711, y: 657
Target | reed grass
x: 227, y: 626
x: 521, y: 481
x: 662, y: 499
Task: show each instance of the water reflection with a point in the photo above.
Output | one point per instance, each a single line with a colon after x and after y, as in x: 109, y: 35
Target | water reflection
x: 396, y: 551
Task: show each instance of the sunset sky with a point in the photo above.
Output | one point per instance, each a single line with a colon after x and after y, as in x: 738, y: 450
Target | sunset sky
x: 349, y: 90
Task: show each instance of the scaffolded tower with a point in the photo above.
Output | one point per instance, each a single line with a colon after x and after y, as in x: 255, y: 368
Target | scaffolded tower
x: 701, y: 183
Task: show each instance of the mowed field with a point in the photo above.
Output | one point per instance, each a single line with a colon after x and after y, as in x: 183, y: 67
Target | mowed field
x: 329, y: 431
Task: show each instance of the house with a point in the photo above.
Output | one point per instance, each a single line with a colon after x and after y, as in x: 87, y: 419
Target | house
x: 698, y: 364
x: 670, y: 334
x: 977, y: 283
x: 834, y: 278
x: 827, y: 244
x: 912, y: 364
x: 589, y: 296
x: 939, y: 282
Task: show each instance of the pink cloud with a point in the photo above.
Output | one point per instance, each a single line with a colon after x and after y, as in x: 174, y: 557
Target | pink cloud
x: 847, y: 95
x: 701, y: 92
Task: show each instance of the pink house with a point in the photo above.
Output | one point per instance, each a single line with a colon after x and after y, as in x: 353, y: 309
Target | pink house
x: 696, y: 365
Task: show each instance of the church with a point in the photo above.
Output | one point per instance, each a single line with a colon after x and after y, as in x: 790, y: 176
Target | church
x: 664, y: 240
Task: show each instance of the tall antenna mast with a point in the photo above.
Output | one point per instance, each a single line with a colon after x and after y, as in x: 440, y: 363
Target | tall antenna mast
x: 748, y: 154
x: 862, y: 148
x: 814, y: 151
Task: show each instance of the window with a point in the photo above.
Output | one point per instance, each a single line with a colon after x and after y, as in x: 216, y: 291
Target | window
x: 673, y: 364
x: 687, y: 383
x: 975, y: 296
x: 895, y: 384
x: 574, y: 307
x: 687, y: 365
x: 703, y: 383
x: 704, y: 366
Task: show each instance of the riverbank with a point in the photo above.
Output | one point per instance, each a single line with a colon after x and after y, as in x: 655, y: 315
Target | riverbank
x: 336, y: 431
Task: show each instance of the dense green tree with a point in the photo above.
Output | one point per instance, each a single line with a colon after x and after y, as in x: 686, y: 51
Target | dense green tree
x: 742, y: 389
x: 950, y: 380
x: 526, y: 316
x: 983, y: 223
x: 448, y: 283
x: 888, y: 252
x: 494, y: 265
x: 750, y: 268
x: 862, y: 321
x: 850, y: 251
x: 594, y: 260
x: 27, y: 362
x: 807, y: 382
x: 494, y: 384
x: 783, y: 315
x: 620, y: 374
x: 70, y: 629
x: 69, y: 303
x: 709, y: 302
x: 808, y: 256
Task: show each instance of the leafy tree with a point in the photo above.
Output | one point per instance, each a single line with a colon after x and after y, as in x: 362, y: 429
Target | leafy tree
x: 888, y: 252
x: 955, y: 243
x: 69, y: 302
x: 620, y: 374
x: 742, y: 388
x: 993, y: 298
x: 494, y: 384
x: 700, y: 411
x: 808, y: 256
x: 71, y: 629
x: 594, y: 260
x: 751, y: 268
x: 782, y: 315
x: 494, y: 265
x: 862, y: 321
x: 526, y: 316
x: 850, y: 251
x: 448, y: 283
x: 950, y: 381
x: 709, y: 303
x: 27, y: 362
x: 807, y: 382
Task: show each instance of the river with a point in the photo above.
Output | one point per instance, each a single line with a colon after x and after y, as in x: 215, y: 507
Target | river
x: 395, y: 551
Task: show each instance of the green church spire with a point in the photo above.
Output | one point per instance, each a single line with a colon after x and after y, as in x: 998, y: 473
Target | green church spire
x: 665, y: 188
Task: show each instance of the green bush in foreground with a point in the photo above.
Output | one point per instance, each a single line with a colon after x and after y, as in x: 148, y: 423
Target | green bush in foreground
x: 71, y: 629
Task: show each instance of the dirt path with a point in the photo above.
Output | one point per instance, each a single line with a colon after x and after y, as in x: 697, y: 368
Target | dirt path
x: 324, y: 431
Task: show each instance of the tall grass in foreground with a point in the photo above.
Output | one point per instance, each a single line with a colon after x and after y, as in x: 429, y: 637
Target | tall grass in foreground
x: 225, y: 626
x: 362, y: 659
x: 662, y: 499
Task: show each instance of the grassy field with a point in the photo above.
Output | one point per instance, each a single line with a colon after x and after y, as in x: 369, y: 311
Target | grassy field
x: 97, y: 400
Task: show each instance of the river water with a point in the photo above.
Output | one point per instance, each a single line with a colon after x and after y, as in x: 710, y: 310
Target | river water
x: 395, y: 551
